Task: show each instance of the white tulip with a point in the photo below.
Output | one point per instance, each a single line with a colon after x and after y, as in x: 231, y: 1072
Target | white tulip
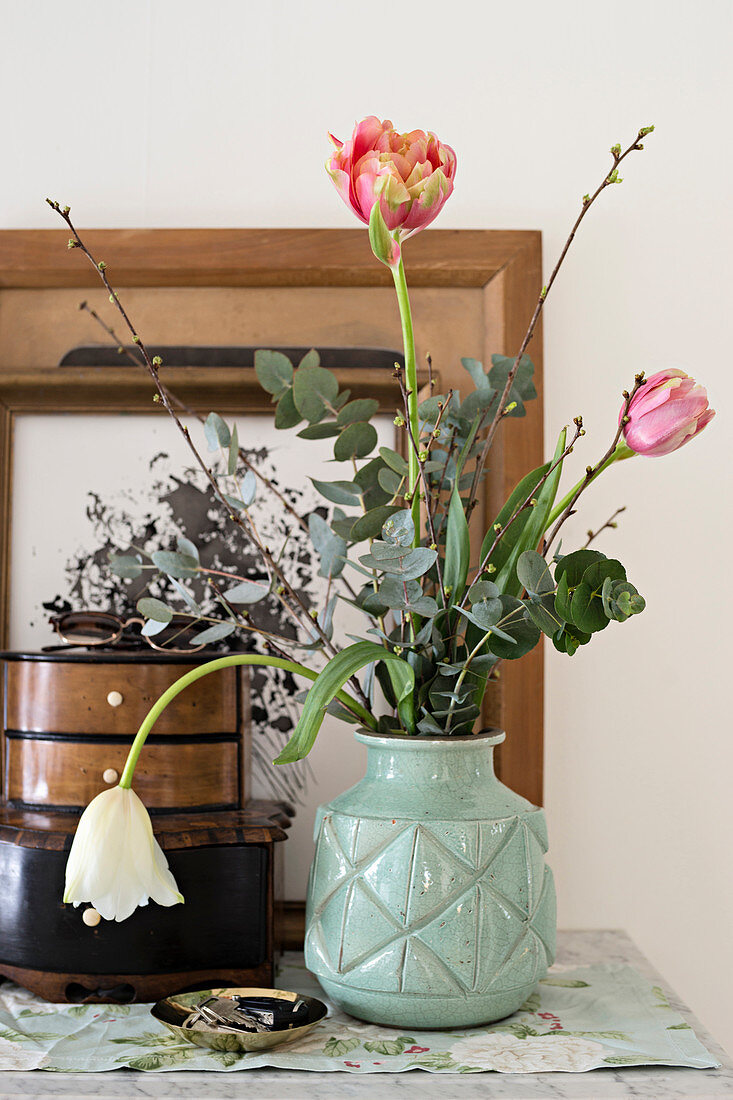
x: 115, y: 862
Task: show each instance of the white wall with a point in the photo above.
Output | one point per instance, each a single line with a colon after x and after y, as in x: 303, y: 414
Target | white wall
x: 180, y: 113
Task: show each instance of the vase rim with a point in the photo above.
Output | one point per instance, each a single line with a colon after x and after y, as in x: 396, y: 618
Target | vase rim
x: 490, y: 735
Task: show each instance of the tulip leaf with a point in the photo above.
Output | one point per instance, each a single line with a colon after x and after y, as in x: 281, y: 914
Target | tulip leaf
x: 457, y: 549
x: 505, y: 543
x: 314, y: 389
x: 332, y: 679
x: 274, y: 371
x: 356, y: 441
x: 533, y: 528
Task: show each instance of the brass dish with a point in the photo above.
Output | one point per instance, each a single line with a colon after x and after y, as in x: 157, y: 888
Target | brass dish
x: 183, y: 1016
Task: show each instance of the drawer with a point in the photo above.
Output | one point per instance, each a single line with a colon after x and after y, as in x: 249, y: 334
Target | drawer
x: 171, y: 774
x: 66, y: 697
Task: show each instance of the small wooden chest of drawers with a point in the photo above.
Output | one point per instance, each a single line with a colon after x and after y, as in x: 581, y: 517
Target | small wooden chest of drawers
x: 68, y: 723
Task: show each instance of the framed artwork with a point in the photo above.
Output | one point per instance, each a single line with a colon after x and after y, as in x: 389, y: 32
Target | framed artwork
x: 472, y: 294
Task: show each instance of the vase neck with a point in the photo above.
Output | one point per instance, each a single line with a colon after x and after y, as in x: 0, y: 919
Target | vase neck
x: 426, y: 760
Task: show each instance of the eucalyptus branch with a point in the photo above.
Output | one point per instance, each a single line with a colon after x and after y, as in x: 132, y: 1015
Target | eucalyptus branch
x: 611, y: 178
x: 528, y: 502
x: 153, y: 364
x: 243, y: 621
x: 421, y: 457
x: 610, y: 523
x: 565, y: 508
x: 462, y: 676
x: 175, y: 400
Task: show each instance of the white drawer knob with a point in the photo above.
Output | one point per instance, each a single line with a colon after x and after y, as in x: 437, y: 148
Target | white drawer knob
x: 91, y: 918
x: 110, y: 775
x: 115, y: 699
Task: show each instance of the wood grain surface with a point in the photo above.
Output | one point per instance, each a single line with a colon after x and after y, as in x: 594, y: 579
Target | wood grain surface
x: 473, y: 292
x: 171, y: 775
x: 55, y: 697
x: 249, y: 257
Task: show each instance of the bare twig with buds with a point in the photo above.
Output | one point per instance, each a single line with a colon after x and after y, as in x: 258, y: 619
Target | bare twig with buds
x: 609, y: 524
x: 290, y: 599
x: 612, y: 177
x: 592, y: 472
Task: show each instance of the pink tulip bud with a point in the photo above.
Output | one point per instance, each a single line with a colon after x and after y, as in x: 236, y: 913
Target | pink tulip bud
x: 410, y: 175
x: 665, y: 413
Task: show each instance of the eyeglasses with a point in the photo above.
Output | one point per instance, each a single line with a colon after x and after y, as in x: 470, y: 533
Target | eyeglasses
x: 90, y: 628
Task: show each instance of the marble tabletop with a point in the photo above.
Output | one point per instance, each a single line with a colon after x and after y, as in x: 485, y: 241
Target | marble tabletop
x: 574, y: 949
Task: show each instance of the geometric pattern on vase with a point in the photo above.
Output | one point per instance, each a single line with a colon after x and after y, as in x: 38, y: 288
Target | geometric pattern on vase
x: 449, y: 907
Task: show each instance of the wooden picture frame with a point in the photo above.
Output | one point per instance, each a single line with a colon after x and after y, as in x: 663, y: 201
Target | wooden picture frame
x: 473, y: 292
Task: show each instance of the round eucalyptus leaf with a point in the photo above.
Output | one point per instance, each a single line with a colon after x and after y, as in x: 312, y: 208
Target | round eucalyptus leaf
x: 246, y: 592
x: 154, y: 609
x: 175, y: 565
x: 314, y: 389
x: 356, y: 441
x: 213, y: 634
x: 368, y: 526
x: 363, y: 408
x: 274, y: 371
x: 286, y: 414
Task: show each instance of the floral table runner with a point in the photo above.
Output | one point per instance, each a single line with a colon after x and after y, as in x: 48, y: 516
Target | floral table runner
x: 579, y: 1018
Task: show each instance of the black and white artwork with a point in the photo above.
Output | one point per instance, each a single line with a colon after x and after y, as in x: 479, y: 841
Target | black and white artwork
x: 87, y: 486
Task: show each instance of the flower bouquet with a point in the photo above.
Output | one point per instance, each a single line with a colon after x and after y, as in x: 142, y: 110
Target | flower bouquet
x: 394, y: 540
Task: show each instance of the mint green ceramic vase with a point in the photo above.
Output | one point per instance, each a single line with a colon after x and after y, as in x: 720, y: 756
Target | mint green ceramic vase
x: 429, y: 902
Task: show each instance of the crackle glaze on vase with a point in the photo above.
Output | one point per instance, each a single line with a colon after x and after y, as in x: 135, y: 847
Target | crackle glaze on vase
x: 429, y: 902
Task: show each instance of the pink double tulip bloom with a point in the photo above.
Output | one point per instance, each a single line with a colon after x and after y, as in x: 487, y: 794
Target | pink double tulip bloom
x: 665, y: 413
x: 410, y: 175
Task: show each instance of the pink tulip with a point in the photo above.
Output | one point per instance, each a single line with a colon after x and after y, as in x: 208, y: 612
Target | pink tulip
x: 411, y: 175
x: 665, y: 413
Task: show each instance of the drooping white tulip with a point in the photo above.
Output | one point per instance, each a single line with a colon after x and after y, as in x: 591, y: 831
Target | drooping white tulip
x: 115, y: 862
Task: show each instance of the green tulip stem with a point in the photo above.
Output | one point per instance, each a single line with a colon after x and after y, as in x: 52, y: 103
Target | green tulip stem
x: 408, y: 339
x: 213, y: 666
x: 622, y: 451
